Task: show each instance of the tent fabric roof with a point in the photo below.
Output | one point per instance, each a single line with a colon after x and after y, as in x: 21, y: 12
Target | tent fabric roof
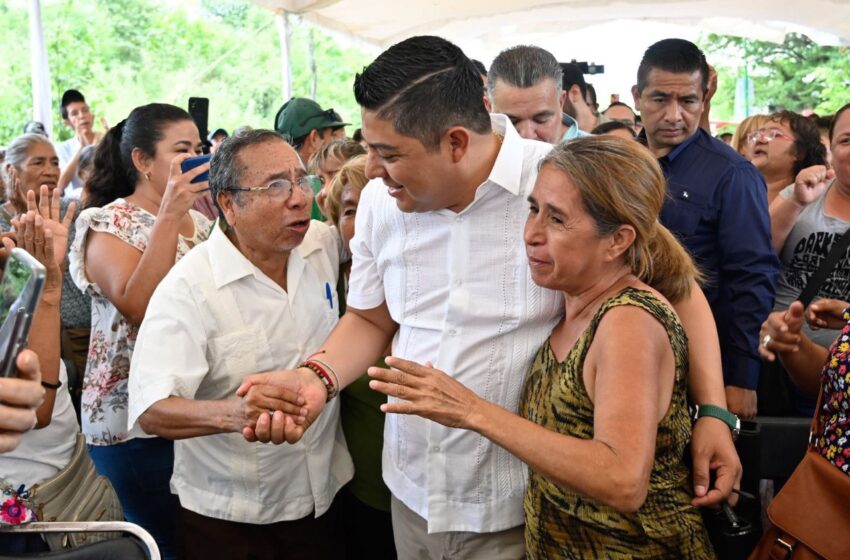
x: 490, y: 25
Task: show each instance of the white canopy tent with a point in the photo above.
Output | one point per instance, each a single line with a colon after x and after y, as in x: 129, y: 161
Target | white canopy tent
x: 610, y: 32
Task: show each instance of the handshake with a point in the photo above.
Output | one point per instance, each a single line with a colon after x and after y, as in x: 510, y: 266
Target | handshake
x: 279, y: 406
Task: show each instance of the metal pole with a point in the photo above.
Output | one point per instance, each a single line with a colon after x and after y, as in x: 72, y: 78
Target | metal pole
x: 42, y: 110
x: 283, y: 31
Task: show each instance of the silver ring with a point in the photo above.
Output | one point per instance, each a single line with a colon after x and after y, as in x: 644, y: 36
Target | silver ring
x: 766, y: 340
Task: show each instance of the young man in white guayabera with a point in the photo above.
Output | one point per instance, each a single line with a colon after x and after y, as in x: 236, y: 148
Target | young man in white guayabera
x: 253, y: 297
x: 439, y: 269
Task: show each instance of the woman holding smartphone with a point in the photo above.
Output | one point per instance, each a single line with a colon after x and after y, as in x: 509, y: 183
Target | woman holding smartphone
x: 137, y: 223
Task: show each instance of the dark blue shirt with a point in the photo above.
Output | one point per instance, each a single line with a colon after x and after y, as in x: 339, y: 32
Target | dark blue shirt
x: 717, y: 206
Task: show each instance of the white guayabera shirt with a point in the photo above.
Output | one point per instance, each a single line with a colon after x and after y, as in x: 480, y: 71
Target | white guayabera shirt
x: 213, y: 320
x: 459, y: 287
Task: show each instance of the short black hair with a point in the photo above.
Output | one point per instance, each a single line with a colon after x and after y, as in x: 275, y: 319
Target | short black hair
x: 620, y: 104
x: 479, y: 66
x: 573, y: 77
x: 424, y: 85
x: 835, y: 120
x: 673, y: 55
x: 70, y: 96
x: 611, y: 126
x: 357, y: 136
x: 808, y: 149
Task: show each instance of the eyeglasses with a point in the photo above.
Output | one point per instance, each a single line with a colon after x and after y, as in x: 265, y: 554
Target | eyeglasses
x: 281, y: 189
x: 768, y: 135
x: 330, y: 113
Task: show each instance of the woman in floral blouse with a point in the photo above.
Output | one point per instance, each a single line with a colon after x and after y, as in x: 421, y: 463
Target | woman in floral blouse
x: 137, y: 224
x: 813, y: 367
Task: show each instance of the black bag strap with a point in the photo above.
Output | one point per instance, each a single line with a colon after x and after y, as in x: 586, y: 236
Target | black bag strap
x: 825, y: 269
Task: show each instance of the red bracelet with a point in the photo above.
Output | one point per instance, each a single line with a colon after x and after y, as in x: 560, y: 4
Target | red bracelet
x: 323, y: 376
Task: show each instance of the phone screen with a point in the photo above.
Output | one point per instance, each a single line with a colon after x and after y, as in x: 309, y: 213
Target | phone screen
x: 12, y: 287
x: 20, y: 288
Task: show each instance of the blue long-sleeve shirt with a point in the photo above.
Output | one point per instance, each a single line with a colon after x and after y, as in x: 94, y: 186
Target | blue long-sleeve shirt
x: 717, y: 206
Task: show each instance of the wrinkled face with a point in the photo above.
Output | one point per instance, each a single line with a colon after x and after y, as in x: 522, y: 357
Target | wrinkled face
x: 179, y: 137
x: 79, y: 116
x: 534, y: 111
x: 327, y: 171
x: 40, y: 167
x: 418, y: 179
x: 268, y: 222
x: 561, y: 240
x: 670, y: 105
x: 774, y: 157
x: 621, y: 114
x: 841, y: 150
x: 348, y: 212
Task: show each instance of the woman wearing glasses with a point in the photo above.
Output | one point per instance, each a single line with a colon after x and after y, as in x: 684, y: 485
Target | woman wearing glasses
x: 786, y: 144
x: 806, y: 219
x: 137, y: 223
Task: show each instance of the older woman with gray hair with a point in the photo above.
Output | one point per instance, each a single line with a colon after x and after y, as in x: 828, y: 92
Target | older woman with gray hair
x: 31, y: 168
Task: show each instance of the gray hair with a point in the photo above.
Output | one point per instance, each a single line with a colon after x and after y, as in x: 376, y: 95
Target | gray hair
x: 225, y: 171
x: 16, y: 153
x: 524, y: 66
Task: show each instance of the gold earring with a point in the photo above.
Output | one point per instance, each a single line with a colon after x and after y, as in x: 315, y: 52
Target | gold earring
x: 148, y: 176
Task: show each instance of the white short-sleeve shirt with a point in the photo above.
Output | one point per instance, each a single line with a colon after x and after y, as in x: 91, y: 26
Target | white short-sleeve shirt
x: 65, y: 152
x: 459, y: 287
x: 214, y: 319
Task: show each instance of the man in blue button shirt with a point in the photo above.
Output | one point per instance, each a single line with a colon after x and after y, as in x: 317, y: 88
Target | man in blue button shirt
x: 716, y: 206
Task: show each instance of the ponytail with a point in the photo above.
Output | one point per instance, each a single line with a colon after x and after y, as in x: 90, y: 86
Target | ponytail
x: 667, y: 267
x: 111, y: 178
x: 115, y: 175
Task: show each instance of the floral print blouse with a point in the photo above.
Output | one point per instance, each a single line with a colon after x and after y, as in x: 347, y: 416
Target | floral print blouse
x: 104, y: 399
x: 834, y: 442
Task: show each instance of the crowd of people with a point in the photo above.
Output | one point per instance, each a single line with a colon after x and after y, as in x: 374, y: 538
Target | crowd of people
x: 494, y: 323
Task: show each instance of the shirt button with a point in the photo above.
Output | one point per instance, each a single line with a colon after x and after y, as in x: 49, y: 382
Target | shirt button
x: 452, y: 332
x: 458, y: 283
x: 459, y: 219
x: 435, y: 449
x: 685, y: 195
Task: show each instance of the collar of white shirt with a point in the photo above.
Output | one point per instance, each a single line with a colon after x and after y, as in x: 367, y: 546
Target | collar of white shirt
x: 228, y: 264
x: 507, y: 170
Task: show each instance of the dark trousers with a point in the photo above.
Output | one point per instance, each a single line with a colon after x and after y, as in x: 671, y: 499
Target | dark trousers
x: 140, y: 471
x: 368, y: 531
x: 202, y: 538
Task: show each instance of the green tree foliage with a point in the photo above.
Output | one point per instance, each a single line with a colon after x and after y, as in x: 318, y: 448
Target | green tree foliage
x: 125, y: 53
x: 797, y: 74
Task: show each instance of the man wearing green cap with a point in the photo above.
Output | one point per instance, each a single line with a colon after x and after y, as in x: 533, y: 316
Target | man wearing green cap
x: 308, y: 127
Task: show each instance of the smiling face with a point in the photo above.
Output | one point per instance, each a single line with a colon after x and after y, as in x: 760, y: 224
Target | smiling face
x: 670, y: 106
x: 179, y: 137
x: 562, y: 242
x: 841, y: 150
x: 534, y: 111
x: 264, y: 222
x: 418, y: 179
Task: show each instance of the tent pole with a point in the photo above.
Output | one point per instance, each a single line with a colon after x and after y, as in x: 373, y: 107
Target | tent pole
x: 283, y: 31
x: 42, y: 110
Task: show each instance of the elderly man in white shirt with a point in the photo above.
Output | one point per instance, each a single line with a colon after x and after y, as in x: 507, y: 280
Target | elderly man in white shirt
x: 255, y: 297
x: 439, y: 267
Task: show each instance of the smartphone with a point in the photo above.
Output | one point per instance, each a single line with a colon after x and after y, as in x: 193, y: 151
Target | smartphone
x: 199, y: 108
x: 193, y: 162
x: 20, y: 289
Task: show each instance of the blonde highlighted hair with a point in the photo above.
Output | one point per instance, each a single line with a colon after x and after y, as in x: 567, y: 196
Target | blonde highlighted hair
x: 342, y: 150
x: 620, y: 183
x: 748, y: 125
x: 353, y: 175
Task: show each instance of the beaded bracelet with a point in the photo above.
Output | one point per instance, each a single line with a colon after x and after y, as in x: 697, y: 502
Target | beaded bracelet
x: 323, y: 375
